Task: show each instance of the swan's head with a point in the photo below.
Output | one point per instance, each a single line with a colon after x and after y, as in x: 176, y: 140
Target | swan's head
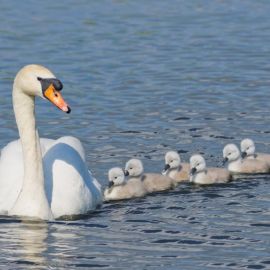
x: 134, y: 167
x: 231, y: 153
x: 116, y: 177
x: 247, y: 148
x: 197, y: 164
x: 36, y: 80
x: 172, y: 161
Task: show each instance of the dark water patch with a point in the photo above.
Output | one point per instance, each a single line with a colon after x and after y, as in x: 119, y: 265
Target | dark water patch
x: 151, y: 231
x: 182, y: 151
x: 130, y: 132
x: 221, y: 137
x: 233, y: 203
x: 24, y: 262
x: 142, y: 221
x: 88, y: 265
x: 165, y: 241
x: 255, y: 266
x: 217, y: 243
x: 181, y: 118
x: 172, y: 232
x: 175, y: 208
x: 195, y: 129
x: 265, y: 262
x: 191, y: 242
x: 260, y: 224
x: 212, y: 195
x: 169, y: 256
x: 89, y: 225
x: 135, y: 212
x: 220, y: 237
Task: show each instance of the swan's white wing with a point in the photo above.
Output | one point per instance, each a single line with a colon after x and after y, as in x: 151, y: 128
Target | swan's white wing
x: 70, y: 187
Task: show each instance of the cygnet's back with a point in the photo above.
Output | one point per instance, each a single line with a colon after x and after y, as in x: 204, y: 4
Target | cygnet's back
x: 206, y: 176
x: 174, y: 168
x: 151, y: 182
x: 154, y: 182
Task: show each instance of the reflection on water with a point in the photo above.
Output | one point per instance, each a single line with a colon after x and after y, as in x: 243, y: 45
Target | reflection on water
x: 142, y: 78
x: 32, y: 241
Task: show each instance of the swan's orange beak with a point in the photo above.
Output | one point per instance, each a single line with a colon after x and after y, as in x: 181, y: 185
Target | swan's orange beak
x: 56, y: 98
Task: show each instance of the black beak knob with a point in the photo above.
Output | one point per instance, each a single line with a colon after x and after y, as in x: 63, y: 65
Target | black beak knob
x: 111, y: 183
x: 193, y: 171
x: 167, y: 167
x: 225, y: 160
x: 126, y: 173
x: 243, y: 154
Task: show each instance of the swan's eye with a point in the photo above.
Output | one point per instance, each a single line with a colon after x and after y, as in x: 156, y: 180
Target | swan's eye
x: 55, y: 94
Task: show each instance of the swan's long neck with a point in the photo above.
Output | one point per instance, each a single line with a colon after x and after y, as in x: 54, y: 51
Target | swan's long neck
x: 32, y: 200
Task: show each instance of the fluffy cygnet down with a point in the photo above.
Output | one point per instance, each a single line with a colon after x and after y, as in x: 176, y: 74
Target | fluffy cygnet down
x: 202, y: 175
x: 176, y: 170
x: 248, y: 151
x: 152, y: 182
x: 237, y: 165
x: 120, y: 189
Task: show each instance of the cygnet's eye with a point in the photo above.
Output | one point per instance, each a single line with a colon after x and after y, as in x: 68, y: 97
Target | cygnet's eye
x: 115, y: 177
x: 171, y: 161
x: 130, y: 168
x: 229, y: 154
x: 247, y: 148
x: 197, y: 164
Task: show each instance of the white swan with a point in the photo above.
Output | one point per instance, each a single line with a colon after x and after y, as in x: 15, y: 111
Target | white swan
x: 45, y: 178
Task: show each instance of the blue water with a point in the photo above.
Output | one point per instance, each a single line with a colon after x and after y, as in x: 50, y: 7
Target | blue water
x: 144, y: 77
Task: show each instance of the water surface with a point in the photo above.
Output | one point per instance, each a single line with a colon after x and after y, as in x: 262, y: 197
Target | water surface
x: 142, y: 78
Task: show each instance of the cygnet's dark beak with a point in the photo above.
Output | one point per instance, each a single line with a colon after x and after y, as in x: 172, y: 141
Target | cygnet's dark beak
x: 225, y: 160
x: 111, y: 183
x: 167, y: 167
x: 193, y: 171
x: 243, y: 154
x: 126, y: 172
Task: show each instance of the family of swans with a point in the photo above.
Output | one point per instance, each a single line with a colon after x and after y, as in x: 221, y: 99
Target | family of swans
x: 48, y: 179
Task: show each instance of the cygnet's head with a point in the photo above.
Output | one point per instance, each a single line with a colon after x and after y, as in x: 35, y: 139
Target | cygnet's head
x: 36, y: 80
x: 247, y: 148
x: 231, y: 153
x: 197, y: 164
x: 172, y: 160
x: 116, y: 176
x: 134, y: 167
